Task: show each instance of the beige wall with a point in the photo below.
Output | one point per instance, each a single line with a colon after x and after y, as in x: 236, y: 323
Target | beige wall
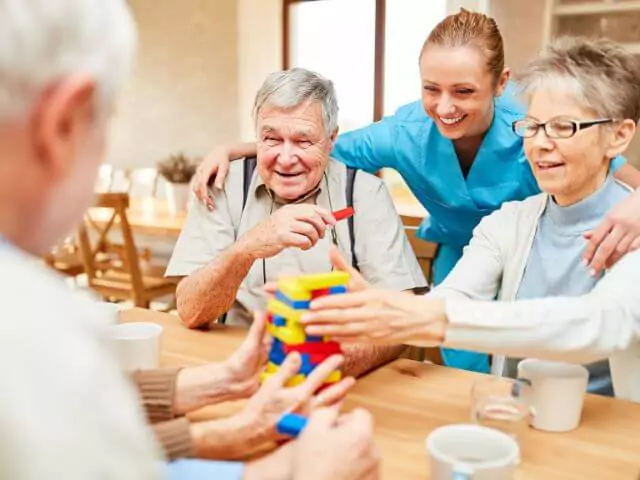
x: 521, y: 24
x: 259, y: 53
x: 182, y: 95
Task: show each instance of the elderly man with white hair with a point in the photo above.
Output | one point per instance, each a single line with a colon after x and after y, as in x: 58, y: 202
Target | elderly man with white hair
x: 66, y: 410
x: 274, y: 217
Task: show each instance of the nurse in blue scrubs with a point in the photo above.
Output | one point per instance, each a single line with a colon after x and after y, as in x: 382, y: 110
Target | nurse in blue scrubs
x: 454, y: 148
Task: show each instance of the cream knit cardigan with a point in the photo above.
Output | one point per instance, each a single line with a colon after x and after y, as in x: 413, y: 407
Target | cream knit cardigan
x: 605, y: 323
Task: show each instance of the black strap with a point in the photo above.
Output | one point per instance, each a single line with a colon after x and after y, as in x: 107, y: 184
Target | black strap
x: 351, y: 179
x: 249, y: 167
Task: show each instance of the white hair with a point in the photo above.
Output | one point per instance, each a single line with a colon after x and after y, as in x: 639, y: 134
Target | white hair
x: 42, y: 41
x: 598, y: 73
x: 291, y: 88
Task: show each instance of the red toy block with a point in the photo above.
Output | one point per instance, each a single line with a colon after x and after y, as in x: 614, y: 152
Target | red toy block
x: 343, y: 214
x: 318, y: 358
x: 270, y: 318
x: 319, y: 293
x: 328, y: 348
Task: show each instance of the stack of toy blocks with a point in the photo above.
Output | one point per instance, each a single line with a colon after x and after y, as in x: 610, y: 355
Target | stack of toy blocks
x: 291, y: 301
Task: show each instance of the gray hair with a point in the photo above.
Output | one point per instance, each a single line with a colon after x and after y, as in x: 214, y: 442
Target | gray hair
x: 291, y: 88
x: 599, y: 73
x: 42, y: 41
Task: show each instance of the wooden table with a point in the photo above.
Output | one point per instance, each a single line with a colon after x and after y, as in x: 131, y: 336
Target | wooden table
x: 148, y: 216
x: 410, y: 399
x: 151, y: 216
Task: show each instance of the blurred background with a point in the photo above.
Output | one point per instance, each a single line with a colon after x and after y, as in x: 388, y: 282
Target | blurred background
x: 201, y: 61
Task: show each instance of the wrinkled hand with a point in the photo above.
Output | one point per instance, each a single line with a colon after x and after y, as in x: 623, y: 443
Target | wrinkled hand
x: 616, y: 236
x: 274, y: 399
x: 215, y: 163
x: 246, y: 363
x: 237, y: 377
x: 337, y: 448
x: 377, y: 316
x: 299, y: 226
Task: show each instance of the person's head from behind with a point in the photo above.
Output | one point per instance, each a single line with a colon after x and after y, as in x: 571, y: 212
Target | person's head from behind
x: 296, y: 114
x: 61, y: 64
x: 583, y: 106
x: 462, y: 70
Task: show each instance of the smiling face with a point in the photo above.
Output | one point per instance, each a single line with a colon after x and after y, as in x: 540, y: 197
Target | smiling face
x: 293, y: 148
x: 458, y: 90
x: 569, y: 169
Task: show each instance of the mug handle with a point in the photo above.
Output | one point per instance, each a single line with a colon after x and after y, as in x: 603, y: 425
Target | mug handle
x: 462, y: 471
x: 519, y: 385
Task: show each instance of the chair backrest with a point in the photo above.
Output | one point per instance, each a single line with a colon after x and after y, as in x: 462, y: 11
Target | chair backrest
x: 116, y: 205
x: 424, y: 251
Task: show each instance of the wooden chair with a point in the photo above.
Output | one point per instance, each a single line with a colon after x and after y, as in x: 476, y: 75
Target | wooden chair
x: 124, y: 280
x: 65, y: 259
x: 425, y: 251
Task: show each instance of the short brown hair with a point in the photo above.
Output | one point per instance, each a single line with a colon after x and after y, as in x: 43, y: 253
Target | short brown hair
x: 471, y: 28
x: 600, y: 73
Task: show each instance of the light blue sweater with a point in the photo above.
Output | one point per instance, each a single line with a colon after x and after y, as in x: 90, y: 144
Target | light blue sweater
x: 554, y: 266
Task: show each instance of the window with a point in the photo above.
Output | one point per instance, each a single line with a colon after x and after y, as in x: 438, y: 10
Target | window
x: 336, y: 38
x: 408, y: 23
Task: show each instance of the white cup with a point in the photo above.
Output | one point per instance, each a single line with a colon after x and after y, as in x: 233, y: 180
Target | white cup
x: 110, y: 311
x: 137, y: 345
x: 472, y: 452
x: 555, y: 393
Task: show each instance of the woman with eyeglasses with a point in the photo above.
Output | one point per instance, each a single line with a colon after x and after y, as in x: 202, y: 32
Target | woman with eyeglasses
x: 455, y: 150
x: 583, y: 107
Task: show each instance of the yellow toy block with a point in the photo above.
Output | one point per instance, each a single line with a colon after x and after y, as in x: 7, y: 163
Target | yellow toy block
x: 283, y: 310
x: 296, y: 380
x: 319, y: 281
x: 271, y: 328
x: 264, y: 375
x: 334, y: 377
x: 293, y: 289
x: 292, y: 334
x: 271, y: 368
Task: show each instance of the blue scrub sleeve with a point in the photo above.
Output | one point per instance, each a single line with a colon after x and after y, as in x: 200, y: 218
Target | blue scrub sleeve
x: 369, y: 148
x: 192, y: 469
x: 617, y: 163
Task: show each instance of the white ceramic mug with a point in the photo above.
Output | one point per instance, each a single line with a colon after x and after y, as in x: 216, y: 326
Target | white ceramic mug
x: 110, y: 311
x: 137, y: 345
x: 472, y: 452
x: 555, y: 393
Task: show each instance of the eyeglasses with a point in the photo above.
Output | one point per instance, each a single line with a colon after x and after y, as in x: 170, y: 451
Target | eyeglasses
x: 554, y: 128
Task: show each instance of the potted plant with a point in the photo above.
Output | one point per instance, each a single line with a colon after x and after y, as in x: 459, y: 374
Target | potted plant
x: 177, y: 170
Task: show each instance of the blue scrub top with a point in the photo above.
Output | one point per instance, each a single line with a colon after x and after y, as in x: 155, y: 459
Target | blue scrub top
x: 410, y: 143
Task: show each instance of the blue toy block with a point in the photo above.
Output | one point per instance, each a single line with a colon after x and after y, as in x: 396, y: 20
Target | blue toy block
x: 337, y: 289
x: 279, y: 321
x: 277, y: 353
x: 291, y: 424
x: 314, y: 339
x: 296, y: 304
x: 307, y: 367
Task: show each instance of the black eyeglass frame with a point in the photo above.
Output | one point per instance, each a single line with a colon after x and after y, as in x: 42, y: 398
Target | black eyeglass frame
x: 577, y: 126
